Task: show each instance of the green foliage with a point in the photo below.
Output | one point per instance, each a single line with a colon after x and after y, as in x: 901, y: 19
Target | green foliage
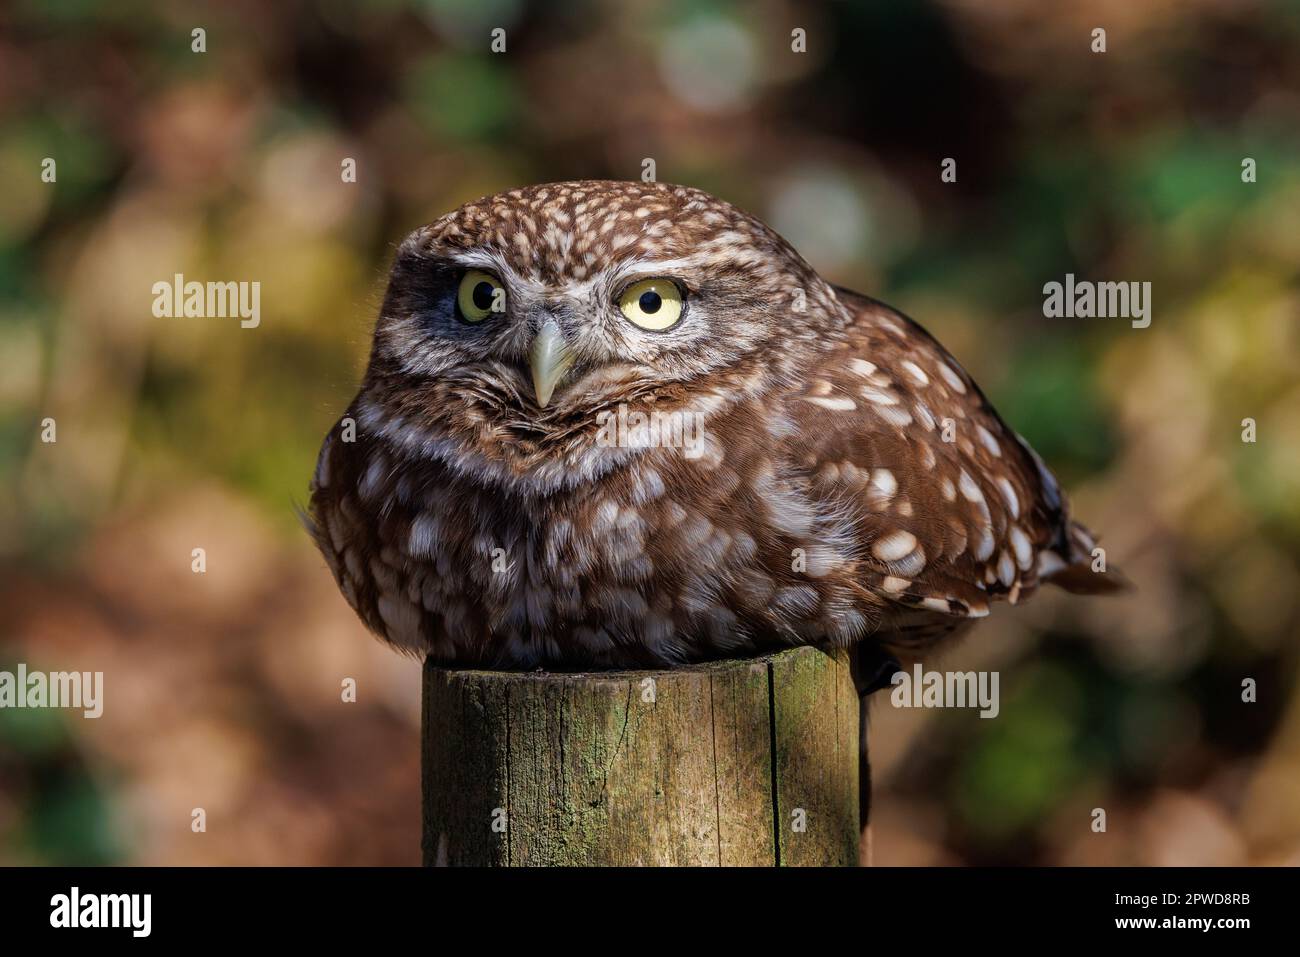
x: 463, y: 97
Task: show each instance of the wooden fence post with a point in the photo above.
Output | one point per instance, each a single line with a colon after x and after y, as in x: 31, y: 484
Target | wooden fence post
x: 748, y: 762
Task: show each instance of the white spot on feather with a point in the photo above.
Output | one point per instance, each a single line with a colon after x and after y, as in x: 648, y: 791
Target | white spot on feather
x: 834, y: 403
x: 895, y: 415
x: 1024, y: 550
x: 1049, y: 563
x: 884, y: 482
x: 1009, y: 493
x: 989, y: 442
x: 969, y: 490
x: 1006, y: 569
x: 916, y: 372
x: 952, y: 378
x: 877, y: 397
x: 897, y: 544
x: 424, y: 534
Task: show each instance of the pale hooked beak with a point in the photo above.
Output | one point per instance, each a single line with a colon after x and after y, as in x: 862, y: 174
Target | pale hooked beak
x: 550, y: 359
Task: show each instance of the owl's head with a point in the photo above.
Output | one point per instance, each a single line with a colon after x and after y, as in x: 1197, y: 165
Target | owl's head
x: 515, y: 324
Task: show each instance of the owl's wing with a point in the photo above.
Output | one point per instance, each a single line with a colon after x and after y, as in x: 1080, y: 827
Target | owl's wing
x: 946, y: 506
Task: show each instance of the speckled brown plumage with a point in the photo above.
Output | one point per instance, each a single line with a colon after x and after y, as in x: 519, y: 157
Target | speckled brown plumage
x: 827, y: 500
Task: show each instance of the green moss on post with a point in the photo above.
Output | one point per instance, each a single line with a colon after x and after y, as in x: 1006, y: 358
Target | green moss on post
x: 734, y: 763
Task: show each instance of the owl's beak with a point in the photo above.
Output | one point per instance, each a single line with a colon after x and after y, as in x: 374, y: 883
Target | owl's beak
x: 550, y: 359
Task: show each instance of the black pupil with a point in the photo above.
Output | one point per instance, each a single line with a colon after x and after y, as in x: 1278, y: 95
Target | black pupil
x: 483, y: 295
x: 650, y: 301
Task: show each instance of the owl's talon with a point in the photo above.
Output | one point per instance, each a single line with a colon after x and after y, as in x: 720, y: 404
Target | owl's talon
x: 872, y: 670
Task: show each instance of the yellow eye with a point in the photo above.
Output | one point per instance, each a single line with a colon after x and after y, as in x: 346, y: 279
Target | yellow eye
x: 652, y: 303
x: 480, y: 295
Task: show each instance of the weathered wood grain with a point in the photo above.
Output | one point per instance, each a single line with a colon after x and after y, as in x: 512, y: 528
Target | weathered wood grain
x: 734, y: 763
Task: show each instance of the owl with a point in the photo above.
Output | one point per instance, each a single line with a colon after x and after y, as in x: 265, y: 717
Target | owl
x: 611, y: 425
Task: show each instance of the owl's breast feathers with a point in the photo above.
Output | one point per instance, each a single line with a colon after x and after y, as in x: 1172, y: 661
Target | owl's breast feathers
x: 881, y: 497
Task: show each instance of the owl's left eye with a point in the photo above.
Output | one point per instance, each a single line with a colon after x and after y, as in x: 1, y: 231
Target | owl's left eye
x: 480, y: 294
x: 654, y: 304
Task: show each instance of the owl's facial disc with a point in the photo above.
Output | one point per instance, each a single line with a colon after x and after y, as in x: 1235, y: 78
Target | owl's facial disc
x: 513, y: 326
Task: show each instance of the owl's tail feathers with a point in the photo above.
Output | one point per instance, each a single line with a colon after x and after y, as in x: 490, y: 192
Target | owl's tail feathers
x: 1080, y: 565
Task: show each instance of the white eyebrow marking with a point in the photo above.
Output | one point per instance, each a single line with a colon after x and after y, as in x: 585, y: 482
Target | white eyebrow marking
x: 658, y: 267
x: 624, y: 274
x: 480, y: 259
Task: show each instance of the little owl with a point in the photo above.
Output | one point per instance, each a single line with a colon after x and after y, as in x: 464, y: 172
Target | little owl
x: 612, y: 425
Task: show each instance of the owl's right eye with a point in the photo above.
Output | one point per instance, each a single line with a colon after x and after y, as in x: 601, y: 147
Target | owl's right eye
x: 654, y: 304
x: 480, y: 294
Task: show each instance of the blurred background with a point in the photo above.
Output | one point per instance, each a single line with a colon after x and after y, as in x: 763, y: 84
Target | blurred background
x: 223, y: 688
